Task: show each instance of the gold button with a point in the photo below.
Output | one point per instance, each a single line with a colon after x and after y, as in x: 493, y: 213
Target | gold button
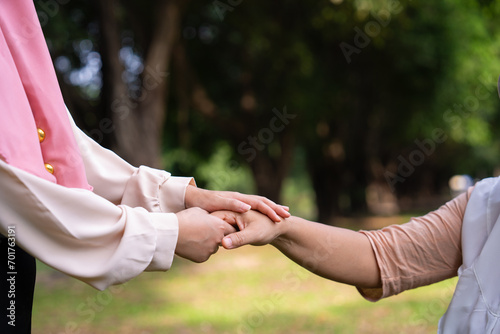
x: 41, y: 135
x: 49, y: 168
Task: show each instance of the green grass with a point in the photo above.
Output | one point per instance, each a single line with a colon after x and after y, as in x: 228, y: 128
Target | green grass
x: 249, y: 290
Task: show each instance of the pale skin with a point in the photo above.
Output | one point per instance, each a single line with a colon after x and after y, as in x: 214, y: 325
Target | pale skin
x: 334, y: 253
x: 201, y: 234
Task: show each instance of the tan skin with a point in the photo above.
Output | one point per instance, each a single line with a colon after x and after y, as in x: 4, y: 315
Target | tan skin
x: 334, y: 253
x: 201, y: 234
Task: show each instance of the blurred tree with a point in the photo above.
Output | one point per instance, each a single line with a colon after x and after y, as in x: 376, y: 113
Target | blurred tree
x: 133, y: 42
x: 234, y: 78
x: 387, y: 99
x: 368, y: 84
x: 137, y: 112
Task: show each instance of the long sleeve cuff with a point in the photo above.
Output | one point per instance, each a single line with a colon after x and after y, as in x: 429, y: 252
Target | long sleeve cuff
x: 82, y: 234
x: 173, y: 193
x: 156, y: 190
x: 166, y: 225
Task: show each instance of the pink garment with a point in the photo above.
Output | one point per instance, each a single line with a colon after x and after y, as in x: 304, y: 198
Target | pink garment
x: 31, y: 100
x: 423, y: 251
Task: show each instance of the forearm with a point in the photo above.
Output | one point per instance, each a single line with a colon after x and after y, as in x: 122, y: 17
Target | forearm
x: 334, y: 253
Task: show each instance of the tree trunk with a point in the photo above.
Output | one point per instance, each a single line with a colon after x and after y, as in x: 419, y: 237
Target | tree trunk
x: 326, y: 189
x: 270, y: 172
x: 138, y: 120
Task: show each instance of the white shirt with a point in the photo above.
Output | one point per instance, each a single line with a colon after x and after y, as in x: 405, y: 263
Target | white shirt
x: 127, y: 225
x: 475, y: 306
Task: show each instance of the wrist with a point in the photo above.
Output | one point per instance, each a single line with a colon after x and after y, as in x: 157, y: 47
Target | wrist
x: 283, y: 228
x: 189, y: 195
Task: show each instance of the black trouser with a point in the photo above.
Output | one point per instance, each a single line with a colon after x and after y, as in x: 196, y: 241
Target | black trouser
x: 17, y: 284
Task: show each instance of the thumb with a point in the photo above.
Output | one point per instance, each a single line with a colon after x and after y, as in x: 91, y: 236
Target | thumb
x: 235, y: 240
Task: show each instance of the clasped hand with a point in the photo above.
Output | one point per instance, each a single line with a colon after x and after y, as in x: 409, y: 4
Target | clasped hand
x: 254, y: 228
x: 201, y: 233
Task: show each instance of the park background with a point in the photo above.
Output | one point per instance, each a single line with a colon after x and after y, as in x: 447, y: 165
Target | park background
x: 353, y: 113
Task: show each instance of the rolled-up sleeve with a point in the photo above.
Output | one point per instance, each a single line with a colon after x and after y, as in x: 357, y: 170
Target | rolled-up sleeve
x: 425, y: 250
x: 83, y: 234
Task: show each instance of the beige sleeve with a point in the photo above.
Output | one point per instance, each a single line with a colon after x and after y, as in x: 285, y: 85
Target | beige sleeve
x: 82, y: 234
x: 425, y: 250
x: 121, y: 183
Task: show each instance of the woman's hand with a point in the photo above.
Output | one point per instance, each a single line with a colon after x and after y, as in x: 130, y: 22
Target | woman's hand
x: 200, y: 234
x: 233, y: 201
x: 254, y: 229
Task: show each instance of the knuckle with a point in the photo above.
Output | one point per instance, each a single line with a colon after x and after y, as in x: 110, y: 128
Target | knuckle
x: 204, y: 257
x: 240, y: 239
x: 195, y: 209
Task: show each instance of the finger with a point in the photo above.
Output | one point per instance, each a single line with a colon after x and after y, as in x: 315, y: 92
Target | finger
x: 265, y: 206
x: 261, y: 204
x: 234, y: 240
x: 227, y: 216
x: 224, y: 226
x: 241, y: 238
x: 228, y: 229
x: 268, y: 211
x: 219, y: 214
x: 252, y: 199
x: 240, y: 223
x: 283, y: 211
x: 232, y: 218
x: 231, y: 204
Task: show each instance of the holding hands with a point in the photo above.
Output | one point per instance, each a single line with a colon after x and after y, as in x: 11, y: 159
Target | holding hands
x: 254, y: 228
x: 225, y: 218
x: 201, y: 233
x: 233, y: 201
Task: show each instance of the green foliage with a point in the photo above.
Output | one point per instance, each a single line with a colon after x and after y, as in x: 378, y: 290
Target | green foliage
x: 219, y: 172
x: 413, y: 62
x: 365, y: 78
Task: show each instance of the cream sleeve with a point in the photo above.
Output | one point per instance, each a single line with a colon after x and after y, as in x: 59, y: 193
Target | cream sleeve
x: 82, y: 234
x: 120, y: 183
x: 127, y: 225
x: 425, y: 250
